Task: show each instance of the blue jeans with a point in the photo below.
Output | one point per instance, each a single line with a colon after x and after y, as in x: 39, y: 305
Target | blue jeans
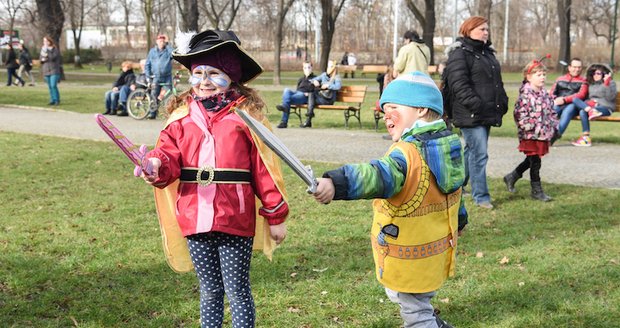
x: 565, y: 113
x: 52, y: 85
x: 124, y: 95
x: 476, y: 157
x: 157, y: 86
x: 111, y: 101
x: 13, y: 72
x: 581, y: 105
x: 291, y: 97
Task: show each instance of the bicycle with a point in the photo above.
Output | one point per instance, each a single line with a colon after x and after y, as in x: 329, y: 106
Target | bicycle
x: 140, y: 102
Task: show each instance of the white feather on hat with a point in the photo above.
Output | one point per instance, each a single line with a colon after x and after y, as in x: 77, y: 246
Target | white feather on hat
x: 182, y: 40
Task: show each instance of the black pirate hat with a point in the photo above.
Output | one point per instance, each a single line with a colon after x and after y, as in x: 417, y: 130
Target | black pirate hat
x: 208, y: 42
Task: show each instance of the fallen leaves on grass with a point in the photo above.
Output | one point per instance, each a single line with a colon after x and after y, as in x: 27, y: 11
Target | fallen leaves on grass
x: 504, y: 260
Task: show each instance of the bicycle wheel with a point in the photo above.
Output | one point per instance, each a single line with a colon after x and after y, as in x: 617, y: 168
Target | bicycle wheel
x: 138, y: 103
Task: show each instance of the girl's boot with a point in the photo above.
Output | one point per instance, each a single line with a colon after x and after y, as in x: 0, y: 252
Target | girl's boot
x: 510, y: 179
x: 538, y: 193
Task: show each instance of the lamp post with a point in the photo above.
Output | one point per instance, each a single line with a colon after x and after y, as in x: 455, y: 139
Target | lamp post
x: 613, y: 33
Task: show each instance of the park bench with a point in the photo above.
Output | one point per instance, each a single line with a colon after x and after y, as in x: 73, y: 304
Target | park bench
x: 349, y: 99
x: 342, y: 69
x: 378, y: 69
x: 614, y: 117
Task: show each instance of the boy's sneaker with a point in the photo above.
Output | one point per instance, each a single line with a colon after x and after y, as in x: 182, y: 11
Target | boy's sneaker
x: 583, y: 141
x: 593, y: 114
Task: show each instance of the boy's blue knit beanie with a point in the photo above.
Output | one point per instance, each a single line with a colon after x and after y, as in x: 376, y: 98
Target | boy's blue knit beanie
x: 414, y: 89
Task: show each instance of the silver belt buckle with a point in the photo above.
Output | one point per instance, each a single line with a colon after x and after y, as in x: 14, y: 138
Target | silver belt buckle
x: 211, y: 172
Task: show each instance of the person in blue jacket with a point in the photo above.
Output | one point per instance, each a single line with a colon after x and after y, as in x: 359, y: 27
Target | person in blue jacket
x: 159, y: 68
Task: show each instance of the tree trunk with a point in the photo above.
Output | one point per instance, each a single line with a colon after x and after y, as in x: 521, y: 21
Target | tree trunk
x: 51, y: 18
x: 148, y: 14
x: 282, y: 11
x: 428, y: 21
x: 328, y: 23
x: 564, y: 20
x: 189, y: 15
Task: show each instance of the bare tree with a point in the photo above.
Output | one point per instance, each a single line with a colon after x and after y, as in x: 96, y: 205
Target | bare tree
x: 102, y: 17
x: 189, y: 14
x: 541, y: 11
x: 600, y: 16
x: 12, y: 7
x: 283, y: 7
x: 221, y: 14
x: 564, y: 7
x: 484, y: 8
x: 427, y: 20
x: 77, y: 11
x: 328, y: 27
x: 127, y: 6
x: 52, y: 18
x: 147, y: 6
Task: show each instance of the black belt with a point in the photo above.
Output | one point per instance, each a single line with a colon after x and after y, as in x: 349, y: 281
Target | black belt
x: 207, y: 175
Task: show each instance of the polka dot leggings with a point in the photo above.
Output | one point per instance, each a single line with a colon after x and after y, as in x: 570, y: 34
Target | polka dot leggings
x: 222, y: 264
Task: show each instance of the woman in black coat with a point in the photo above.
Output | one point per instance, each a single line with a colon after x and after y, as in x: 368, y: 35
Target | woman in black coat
x: 475, y: 99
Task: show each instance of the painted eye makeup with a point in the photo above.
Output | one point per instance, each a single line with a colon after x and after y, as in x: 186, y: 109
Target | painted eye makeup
x: 212, y: 74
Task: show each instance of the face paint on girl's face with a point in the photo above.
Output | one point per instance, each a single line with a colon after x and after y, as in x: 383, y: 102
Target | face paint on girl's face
x: 210, y: 73
x: 207, y: 80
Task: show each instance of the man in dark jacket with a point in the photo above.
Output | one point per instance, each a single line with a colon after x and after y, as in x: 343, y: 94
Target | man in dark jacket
x: 296, y: 97
x: 111, y: 96
x: 476, y: 99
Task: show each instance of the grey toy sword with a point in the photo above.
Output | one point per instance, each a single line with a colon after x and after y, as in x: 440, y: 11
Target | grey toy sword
x: 304, y: 172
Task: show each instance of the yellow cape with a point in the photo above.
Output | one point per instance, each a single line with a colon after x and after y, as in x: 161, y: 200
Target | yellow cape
x: 175, y: 244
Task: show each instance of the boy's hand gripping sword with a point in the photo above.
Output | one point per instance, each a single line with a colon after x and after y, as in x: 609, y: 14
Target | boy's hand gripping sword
x: 135, y: 154
x: 304, y: 172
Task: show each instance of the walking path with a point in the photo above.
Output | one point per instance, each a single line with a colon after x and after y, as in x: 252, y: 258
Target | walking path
x: 596, y: 166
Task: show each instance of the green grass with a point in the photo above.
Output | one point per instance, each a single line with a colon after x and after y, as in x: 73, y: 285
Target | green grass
x: 80, y: 246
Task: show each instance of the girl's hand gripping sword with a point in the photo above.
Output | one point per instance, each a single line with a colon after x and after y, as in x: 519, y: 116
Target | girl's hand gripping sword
x: 135, y: 154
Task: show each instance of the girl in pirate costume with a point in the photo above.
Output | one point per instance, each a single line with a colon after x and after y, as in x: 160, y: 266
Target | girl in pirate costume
x: 208, y: 160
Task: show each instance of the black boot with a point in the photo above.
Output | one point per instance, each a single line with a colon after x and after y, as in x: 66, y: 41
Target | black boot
x: 510, y: 179
x: 282, y: 125
x: 538, y: 193
x: 307, y: 124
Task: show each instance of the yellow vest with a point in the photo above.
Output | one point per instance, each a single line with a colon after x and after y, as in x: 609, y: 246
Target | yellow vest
x: 414, y: 233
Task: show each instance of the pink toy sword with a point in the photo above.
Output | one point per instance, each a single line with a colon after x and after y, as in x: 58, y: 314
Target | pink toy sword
x: 135, y: 154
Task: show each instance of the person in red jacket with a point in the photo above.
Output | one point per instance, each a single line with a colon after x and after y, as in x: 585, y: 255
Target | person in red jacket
x: 220, y: 168
x: 566, y: 88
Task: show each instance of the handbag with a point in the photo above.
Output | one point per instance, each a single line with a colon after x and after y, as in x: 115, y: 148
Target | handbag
x: 327, y: 94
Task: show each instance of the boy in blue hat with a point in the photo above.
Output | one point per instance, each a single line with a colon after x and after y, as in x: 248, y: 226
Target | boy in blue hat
x: 418, y: 208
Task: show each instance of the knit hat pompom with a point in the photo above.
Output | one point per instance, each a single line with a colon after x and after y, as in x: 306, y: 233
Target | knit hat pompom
x: 414, y: 89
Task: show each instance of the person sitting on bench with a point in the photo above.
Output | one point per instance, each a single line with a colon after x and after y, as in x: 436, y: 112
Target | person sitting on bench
x: 326, y: 86
x: 296, y: 97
